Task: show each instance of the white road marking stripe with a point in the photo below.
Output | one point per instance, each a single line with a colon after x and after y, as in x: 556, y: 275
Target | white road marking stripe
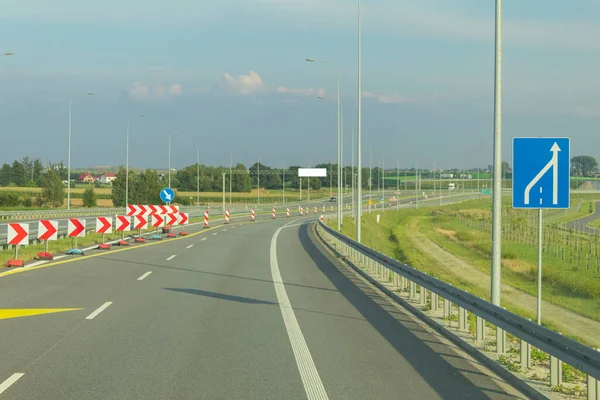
x: 172, y: 257
x: 308, y: 371
x: 190, y: 246
x: 203, y: 239
x: 10, y: 381
x: 99, y: 310
x: 215, y: 234
x: 141, y: 278
x: 225, y: 230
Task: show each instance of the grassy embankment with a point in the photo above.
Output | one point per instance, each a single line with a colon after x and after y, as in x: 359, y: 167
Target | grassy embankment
x: 570, y: 275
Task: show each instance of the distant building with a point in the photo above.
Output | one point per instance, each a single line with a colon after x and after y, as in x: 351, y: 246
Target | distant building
x: 86, y: 178
x: 107, y: 178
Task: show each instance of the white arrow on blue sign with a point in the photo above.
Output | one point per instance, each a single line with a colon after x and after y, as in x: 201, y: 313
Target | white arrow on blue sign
x: 541, y: 173
x: 167, y: 195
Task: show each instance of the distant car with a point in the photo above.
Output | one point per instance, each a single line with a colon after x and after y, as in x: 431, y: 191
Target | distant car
x: 333, y: 199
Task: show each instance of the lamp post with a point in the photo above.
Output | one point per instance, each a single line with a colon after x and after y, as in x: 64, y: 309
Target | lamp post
x: 198, y: 177
x: 127, y: 164
x: 339, y: 146
x: 359, y: 148
x: 69, y: 150
x: 224, y: 173
x: 170, y: 133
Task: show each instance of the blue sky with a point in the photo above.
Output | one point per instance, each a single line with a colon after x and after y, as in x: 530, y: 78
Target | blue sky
x: 232, y: 75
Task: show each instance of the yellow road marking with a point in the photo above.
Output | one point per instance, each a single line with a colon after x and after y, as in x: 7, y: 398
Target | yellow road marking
x: 28, y: 312
x: 61, y: 262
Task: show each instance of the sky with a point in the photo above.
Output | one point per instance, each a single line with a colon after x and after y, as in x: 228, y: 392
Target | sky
x: 228, y: 79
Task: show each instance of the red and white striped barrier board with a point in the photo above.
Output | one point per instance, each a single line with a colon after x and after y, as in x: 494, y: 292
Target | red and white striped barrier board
x: 323, y: 208
x: 157, y: 220
x: 153, y: 209
x: 273, y: 213
x: 123, y: 223
x: 184, y: 219
x: 47, y: 230
x: 171, y: 219
x: 140, y: 222
x: 287, y: 212
x: 315, y: 209
x: 226, y: 216
x: 104, y: 225
x: 18, y: 234
x: 252, y: 215
x: 206, y: 219
x: 76, y: 227
x: 322, y: 218
x: 301, y: 211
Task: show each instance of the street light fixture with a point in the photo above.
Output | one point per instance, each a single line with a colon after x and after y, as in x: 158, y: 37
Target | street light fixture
x: 69, y: 150
x: 9, y: 53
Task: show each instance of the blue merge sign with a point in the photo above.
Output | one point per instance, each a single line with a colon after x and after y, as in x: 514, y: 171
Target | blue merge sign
x: 541, y: 172
x: 167, y: 195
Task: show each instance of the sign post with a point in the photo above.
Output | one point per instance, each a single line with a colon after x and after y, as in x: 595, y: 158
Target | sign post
x: 541, y: 180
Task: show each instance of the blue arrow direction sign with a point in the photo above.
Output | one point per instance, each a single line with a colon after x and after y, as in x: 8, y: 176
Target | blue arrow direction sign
x: 541, y: 173
x: 167, y: 195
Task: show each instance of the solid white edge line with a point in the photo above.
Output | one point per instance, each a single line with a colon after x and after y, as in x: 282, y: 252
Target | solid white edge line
x: 10, y: 381
x: 172, y: 257
x: 190, y: 246
x: 308, y: 371
x: 141, y: 278
x: 99, y: 310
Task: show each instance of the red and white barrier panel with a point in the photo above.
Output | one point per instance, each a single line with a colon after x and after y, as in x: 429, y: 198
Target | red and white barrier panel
x: 287, y: 212
x: 171, y: 219
x: 301, y: 211
x: 76, y: 227
x: 206, y: 219
x: 104, y: 225
x: 184, y: 219
x: 322, y: 218
x: 145, y: 210
x: 123, y: 223
x: 140, y: 222
x: 18, y: 234
x: 273, y: 213
x: 315, y: 209
x: 157, y: 220
x: 323, y: 208
x: 47, y: 230
x: 226, y: 216
x: 252, y: 217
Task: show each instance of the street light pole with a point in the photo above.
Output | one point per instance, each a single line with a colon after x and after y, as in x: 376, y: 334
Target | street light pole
x: 127, y: 168
x: 497, y: 184
x: 359, y: 149
x: 370, y: 176
x: 224, y: 173
x: 198, y: 177
x: 230, y: 177
x: 170, y: 133
x: 339, y: 145
x: 69, y: 149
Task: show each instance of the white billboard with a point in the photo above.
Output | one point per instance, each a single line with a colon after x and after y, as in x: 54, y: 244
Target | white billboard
x: 312, y: 172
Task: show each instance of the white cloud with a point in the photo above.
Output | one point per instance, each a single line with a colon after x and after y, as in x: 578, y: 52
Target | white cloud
x: 386, y: 98
x: 140, y: 91
x: 302, y: 91
x: 245, y: 84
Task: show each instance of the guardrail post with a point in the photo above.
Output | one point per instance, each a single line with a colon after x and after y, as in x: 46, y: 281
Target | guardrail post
x: 525, y: 355
x: 555, y: 371
x: 403, y: 283
x: 422, y: 296
x: 447, y: 308
x: 413, y: 290
x: 462, y: 319
x: 435, y: 302
x: 396, y: 279
x: 500, y: 341
x: 479, y: 330
x: 593, y: 387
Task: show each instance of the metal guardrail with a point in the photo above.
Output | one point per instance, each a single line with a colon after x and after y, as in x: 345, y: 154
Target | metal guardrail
x: 560, y: 348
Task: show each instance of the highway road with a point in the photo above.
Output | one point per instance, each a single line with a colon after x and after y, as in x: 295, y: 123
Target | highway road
x: 194, y: 212
x: 245, y: 311
x: 580, y: 225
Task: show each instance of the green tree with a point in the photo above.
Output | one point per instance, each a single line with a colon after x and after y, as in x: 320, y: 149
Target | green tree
x: 5, y: 174
x: 38, y: 169
x: 315, y: 183
x: 18, y: 174
x: 242, y: 182
x: 54, y: 190
x: 147, y: 188
x: 89, y: 198
x: 118, y: 187
x: 583, y: 165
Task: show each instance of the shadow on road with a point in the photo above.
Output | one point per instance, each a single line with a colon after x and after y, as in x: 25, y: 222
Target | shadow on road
x: 447, y: 372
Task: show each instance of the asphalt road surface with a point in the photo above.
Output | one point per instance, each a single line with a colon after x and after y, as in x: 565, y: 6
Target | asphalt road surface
x: 244, y: 311
x: 580, y: 225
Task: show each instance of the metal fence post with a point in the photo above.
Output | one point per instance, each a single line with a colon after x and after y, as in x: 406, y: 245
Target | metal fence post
x: 462, y: 319
x: 525, y: 355
x: 422, y: 296
x: 479, y: 330
x: 413, y: 290
x: 447, y: 308
x: 500, y: 341
x: 555, y: 371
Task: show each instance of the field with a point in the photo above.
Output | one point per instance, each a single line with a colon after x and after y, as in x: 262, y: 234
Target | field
x: 105, y: 200
x: 453, y: 243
